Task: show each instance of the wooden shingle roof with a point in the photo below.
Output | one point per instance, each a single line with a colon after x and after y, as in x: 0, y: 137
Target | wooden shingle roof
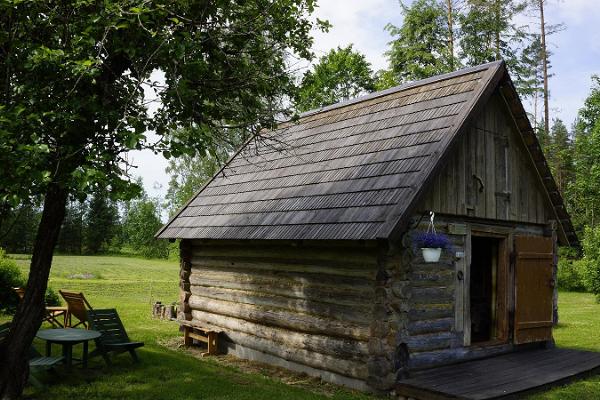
x: 353, y: 170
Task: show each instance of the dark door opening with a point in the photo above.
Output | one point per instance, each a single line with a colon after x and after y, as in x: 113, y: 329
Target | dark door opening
x: 483, y: 288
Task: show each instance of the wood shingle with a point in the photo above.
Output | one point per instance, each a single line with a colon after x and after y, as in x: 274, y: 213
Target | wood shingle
x: 353, y: 170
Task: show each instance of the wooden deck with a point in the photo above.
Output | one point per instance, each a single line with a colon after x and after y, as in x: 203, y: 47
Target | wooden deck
x: 505, y: 376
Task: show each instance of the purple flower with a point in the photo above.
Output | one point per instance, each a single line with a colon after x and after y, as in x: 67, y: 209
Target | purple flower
x: 431, y: 240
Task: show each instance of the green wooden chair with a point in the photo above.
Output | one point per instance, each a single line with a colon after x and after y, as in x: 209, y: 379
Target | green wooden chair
x: 36, y: 360
x: 114, y: 338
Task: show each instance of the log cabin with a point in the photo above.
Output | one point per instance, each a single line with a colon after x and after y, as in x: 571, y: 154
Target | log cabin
x: 299, y: 251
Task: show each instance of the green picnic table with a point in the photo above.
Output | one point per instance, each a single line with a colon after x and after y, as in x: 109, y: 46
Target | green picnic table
x: 68, y: 337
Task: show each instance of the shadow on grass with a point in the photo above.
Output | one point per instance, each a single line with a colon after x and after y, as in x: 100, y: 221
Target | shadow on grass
x: 169, y: 374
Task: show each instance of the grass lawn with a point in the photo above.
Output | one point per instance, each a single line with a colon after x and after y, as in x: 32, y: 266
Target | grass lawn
x: 166, y: 372
x: 579, y: 328
x: 131, y: 285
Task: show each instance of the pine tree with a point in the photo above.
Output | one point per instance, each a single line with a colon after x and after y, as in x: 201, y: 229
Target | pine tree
x: 584, y: 189
x: 543, y: 138
x: 545, y: 30
x: 560, y: 155
x: 71, y: 233
x: 18, y: 229
x: 101, y: 222
x: 589, y: 114
x: 544, y: 65
x: 488, y: 32
x: 422, y: 46
x: 529, y: 74
x: 451, y: 8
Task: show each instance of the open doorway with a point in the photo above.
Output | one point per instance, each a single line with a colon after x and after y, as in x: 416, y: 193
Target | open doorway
x: 483, y: 288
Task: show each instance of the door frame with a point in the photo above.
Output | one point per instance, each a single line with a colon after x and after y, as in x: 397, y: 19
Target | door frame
x: 503, y: 284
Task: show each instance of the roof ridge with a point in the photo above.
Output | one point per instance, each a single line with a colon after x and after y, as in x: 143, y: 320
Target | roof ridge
x: 400, y: 88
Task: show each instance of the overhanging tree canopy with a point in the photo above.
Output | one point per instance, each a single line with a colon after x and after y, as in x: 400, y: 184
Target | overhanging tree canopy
x: 341, y: 74
x: 72, y: 102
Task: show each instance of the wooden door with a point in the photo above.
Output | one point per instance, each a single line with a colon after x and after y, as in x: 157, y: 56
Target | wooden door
x: 534, y: 286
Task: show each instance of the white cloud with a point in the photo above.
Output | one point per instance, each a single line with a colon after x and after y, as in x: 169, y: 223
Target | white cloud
x: 151, y: 167
x: 360, y: 23
x: 147, y: 165
x: 575, y: 54
x: 574, y: 11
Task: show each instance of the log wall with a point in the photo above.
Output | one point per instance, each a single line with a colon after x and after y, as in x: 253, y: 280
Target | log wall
x: 429, y: 298
x: 437, y: 319
x: 320, y: 307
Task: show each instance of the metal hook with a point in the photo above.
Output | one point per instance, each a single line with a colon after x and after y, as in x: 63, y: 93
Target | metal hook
x: 480, y: 181
x: 431, y: 224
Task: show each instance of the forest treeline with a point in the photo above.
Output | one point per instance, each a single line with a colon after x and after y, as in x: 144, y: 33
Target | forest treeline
x: 97, y: 225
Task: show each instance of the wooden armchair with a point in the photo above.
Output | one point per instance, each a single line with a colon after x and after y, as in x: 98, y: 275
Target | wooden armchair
x: 114, y: 338
x: 36, y: 360
x: 52, y: 313
x: 77, y: 306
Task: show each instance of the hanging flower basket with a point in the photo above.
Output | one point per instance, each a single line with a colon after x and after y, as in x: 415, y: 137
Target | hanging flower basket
x: 431, y: 255
x: 431, y: 243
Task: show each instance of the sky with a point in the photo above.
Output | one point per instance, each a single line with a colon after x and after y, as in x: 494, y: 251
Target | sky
x: 576, y: 56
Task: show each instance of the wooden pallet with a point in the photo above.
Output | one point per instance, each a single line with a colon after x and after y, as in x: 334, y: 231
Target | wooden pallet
x: 202, y: 334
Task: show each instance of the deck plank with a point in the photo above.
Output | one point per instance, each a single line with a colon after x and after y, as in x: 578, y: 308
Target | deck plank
x: 500, y: 376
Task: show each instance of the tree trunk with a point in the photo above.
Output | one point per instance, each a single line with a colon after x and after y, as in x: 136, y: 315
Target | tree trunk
x: 535, y: 110
x: 450, y: 33
x: 498, y: 12
x: 27, y: 320
x: 545, y: 69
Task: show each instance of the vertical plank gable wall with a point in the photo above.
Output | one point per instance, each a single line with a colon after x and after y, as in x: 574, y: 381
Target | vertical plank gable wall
x: 490, y: 175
